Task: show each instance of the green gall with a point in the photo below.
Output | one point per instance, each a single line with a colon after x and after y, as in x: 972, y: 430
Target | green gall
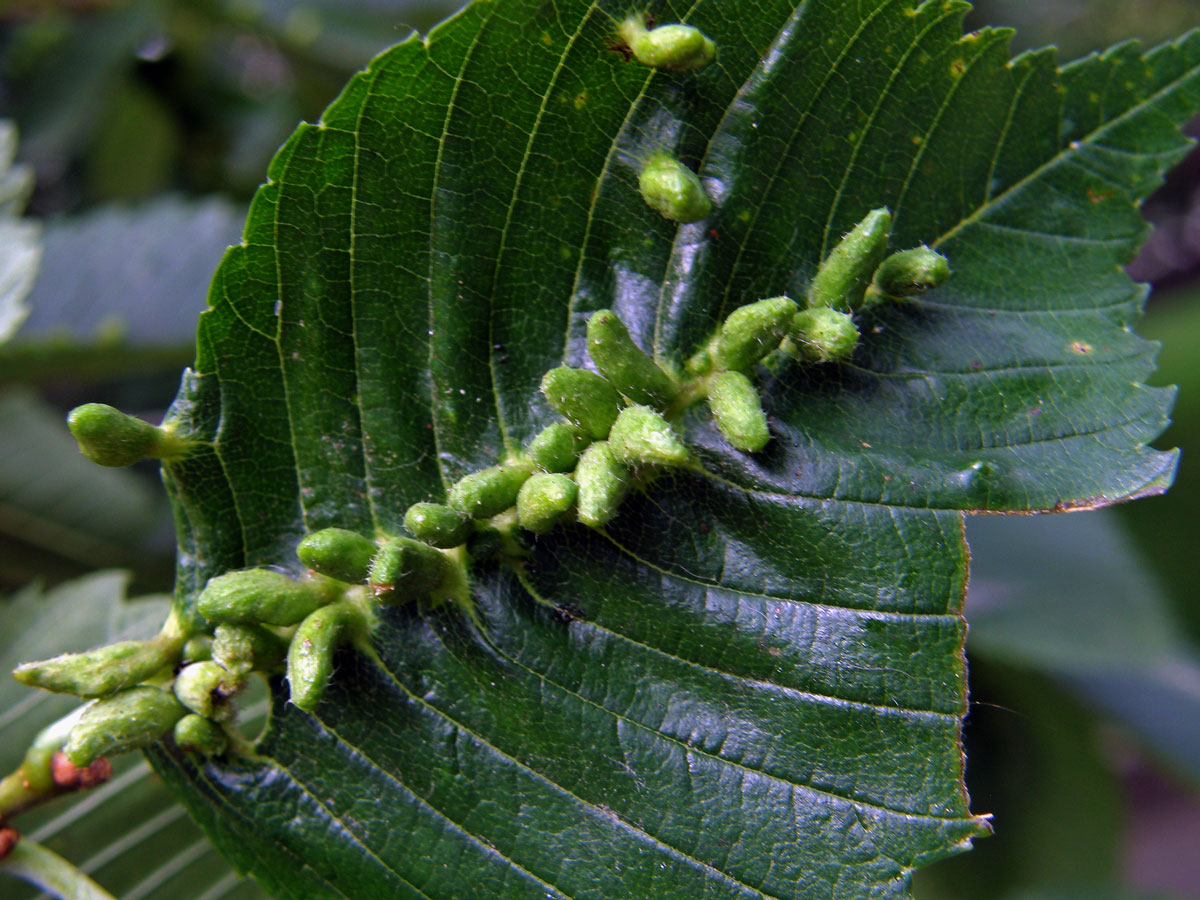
x: 676, y: 48
x: 128, y: 720
x: 206, y: 689
x: 438, y: 525
x: 405, y: 568
x: 673, y: 190
x: 242, y: 649
x: 337, y: 553
x: 482, y: 495
x: 843, y: 278
x: 197, y: 649
x: 751, y: 332
x: 583, y: 398
x: 98, y: 673
x: 641, y: 436
x: 200, y: 735
x: 310, y: 656
x: 109, y: 437
x: 738, y: 411
x: 824, y: 335
x: 628, y: 369
x: 253, y: 596
x: 603, y: 483
x: 556, y: 448
x: 544, y: 500
x: 911, y: 272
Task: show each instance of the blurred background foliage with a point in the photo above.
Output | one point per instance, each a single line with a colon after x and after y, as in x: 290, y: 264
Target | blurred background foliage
x: 145, y: 126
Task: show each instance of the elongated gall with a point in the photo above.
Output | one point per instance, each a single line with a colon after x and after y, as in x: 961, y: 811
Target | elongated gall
x: 911, y: 272
x: 489, y: 492
x: 584, y: 398
x: 200, y: 735
x: 98, y: 673
x: 623, y: 363
x: 751, y: 332
x: 603, y: 483
x: 556, y: 448
x: 337, y: 553
x: 544, y: 500
x: 310, y: 657
x: 641, y: 436
x: 263, y: 596
x: 824, y: 335
x: 243, y: 649
x: 405, y: 569
x: 737, y: 410
x: 128, y: 720
x: 206, y: 689
x: 842, y: 279
x: 673, y: 190
x: 676, y: 48
x: 437, y: 524
x: 112, y: 438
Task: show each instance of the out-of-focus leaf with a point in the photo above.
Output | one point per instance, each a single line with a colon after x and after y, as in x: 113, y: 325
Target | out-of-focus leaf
x: 55, y: 499
x: 61, y: 92
x: 119, y: 291
x: 1081, y: 894
x: 1167, y: 529
x: 141, y: 272
x: 1160, y: 703
x: 1070, y: 596
x: 1077, y: 26
x: 134, y: 152
x: 1037, y: 765
x: 130, y: 834
x: 46, y: 869
x: 345, y: 32
x: 20, y: 241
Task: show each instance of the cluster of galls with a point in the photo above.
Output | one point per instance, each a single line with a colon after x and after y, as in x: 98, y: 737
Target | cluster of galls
x: 618, y: 425
x: 853, y: 278
x: 137, y: 695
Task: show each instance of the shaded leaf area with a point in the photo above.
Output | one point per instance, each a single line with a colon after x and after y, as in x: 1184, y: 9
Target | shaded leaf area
x: 752, y: 684
x: 130, y: 834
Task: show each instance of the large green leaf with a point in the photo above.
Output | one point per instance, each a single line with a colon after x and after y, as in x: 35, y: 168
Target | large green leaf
x: 756, y: 689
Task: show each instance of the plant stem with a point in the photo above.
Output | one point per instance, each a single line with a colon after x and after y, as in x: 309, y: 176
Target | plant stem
x: 41, y: 777
x: 50, y: 872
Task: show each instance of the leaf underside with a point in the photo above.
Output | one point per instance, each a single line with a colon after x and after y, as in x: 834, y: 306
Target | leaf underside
x: 752, y: 683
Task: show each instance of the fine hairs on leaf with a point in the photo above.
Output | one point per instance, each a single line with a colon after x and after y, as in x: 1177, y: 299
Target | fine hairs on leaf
x: 727, y: 415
